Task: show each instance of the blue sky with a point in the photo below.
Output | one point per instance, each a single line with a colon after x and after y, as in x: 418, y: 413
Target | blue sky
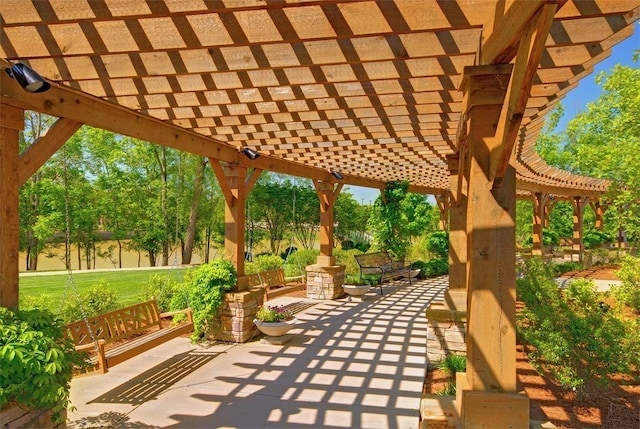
x: 574, y: 102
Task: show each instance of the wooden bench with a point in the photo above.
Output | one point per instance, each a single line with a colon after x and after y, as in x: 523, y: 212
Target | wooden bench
x: 381, y: 264
x: 136, y: 329
x: 274, y: 283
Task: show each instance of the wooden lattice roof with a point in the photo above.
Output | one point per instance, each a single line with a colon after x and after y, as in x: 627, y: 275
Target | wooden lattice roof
x: 367, y: 88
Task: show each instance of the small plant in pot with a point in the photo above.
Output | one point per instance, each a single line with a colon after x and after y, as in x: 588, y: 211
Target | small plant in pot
x: 356, y: 286
x: 274, y: 321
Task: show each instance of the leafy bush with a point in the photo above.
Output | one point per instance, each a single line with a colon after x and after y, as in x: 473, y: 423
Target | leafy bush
x: 573, y: 335
x: 264, y: 262
x: 565, y: 267
x: 436, y: 267
x: 438, y: 244
x: 98, y: 299
x: 203, y: 291
x: 36, y: 360
x: 595, y: 237
x: 422, y: 266
x: 298, y: 261
x: 628, y: 292
x: 162, y: 289
x: 346, y: 258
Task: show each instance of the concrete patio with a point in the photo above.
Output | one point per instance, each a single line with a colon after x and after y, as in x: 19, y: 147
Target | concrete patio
x: 349, y: 364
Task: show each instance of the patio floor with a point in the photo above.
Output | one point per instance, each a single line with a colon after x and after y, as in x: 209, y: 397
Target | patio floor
x: 349, y: 364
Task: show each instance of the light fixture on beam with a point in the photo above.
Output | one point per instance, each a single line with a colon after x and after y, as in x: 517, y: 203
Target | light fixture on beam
x: 251, y: 153
x: 28, y: 79
x: 337, y: 175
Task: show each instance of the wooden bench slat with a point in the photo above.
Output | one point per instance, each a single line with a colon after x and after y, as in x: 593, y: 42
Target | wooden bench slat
x: 139, y: 319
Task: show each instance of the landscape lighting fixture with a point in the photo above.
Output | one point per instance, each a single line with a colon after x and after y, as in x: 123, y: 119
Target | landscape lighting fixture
x: 28, y: 79
x: 337, y: 175
x: 250, y: 153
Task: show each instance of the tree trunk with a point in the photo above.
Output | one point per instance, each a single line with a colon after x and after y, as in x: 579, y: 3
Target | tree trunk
x: 193, y: 216
x: 79, y: 256
x: 152, y: 259
x: 120, y: 254
x: 207, y: 246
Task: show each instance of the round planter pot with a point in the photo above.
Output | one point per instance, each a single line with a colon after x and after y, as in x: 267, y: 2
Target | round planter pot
x: 275, y: 329
x: 356, y: 291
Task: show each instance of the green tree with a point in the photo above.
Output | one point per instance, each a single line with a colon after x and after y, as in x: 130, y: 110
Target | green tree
x: 603, y: 141
x: 271, y: 204
x: 388, y: 220
x: 305, y: 216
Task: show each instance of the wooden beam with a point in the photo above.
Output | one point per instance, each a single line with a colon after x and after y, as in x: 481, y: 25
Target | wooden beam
x: 525, y: 67
x: 222, y: 181
x: 34, y: 156
x: 504, y: 30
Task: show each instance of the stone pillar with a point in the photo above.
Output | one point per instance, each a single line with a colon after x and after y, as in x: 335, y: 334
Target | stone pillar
x: 325, y: 282
x: 237, y: 314
x: 12, y: 123
x: 446, y: 332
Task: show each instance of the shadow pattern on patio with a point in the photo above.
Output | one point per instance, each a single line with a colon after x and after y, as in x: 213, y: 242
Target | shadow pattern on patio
x: 350, y: 365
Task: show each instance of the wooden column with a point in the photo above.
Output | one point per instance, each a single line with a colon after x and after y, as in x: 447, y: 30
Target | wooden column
x: 599, y: 210
x: 579, y: 204
x: 490, y: 224
x: 235, y: 185
x: 11, y: 122
x: 457, y: 228
x: 327, y: 194
x: 539, y: 213
x: 443, y: 202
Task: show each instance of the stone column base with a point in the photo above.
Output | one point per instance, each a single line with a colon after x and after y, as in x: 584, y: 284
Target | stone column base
x: 325, y: 282
x: 237, y: 314
x: 446, y: 332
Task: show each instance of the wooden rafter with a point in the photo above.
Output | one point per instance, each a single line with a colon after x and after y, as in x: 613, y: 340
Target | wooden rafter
x: 34, y: 156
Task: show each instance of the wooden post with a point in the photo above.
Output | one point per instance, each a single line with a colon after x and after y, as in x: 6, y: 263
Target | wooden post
x: 579, y: 204
x: 457, y: 229
x: 235, y: 185
x: 598, y: 209
x: 488, y: 388
x: 12, y: 121
x: 539, y: 212
x: 327, y: 194
x: 443, y: 202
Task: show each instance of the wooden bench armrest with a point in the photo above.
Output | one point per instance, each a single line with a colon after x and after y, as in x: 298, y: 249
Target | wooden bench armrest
x: 91, y: 346
x: 173, y: 313
x: 186, y: 311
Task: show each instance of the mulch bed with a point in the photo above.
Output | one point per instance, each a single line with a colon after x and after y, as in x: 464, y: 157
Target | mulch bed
x: 618, y: 407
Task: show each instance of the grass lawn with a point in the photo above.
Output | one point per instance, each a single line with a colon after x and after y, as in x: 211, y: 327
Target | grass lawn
x: 128, y: 284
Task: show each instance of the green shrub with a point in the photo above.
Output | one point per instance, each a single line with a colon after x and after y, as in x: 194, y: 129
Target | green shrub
x: 42, y: 302
x: 436, y: 267
x: 595, y: 237
x: 264, y: 262
x: 298, y: 261
x: 36, y: 360
x: 573, y: 335
x: 346, y: 258
x: 565, y: 267
x: 450, y: 365
x: 161, y: 288
x: 628, y: 292
x: 438, y: 244
x: 422, y: 266
x: 98, y: 299
x: 203, y: 291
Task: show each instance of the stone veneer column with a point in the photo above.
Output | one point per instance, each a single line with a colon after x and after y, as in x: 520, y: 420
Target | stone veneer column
x: 325, y: 282
x: 237, y: 314
x: 446, y: 332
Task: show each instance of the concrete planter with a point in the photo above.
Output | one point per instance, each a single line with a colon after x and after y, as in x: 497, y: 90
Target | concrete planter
x: 275, y: 329
x: 356, y: 291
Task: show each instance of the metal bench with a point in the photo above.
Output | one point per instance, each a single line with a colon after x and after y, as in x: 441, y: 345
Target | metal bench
x: 382, y: 265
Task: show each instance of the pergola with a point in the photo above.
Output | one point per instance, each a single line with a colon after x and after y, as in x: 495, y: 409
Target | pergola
x: 448, y: 95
